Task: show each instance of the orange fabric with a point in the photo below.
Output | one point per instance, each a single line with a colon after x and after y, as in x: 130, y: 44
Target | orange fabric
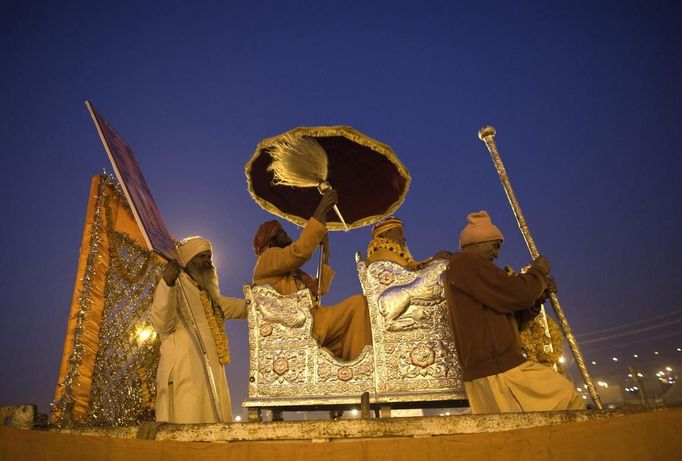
x: 644, y: 436
x: 121, y: 220
x: 264, y: 234
x: 277, y: 266
x: 344, y: 328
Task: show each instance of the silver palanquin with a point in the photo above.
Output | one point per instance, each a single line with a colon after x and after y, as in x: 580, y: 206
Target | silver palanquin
x: 412, y: 359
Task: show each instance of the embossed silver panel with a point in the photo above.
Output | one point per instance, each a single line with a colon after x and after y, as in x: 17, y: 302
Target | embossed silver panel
x: 287, y: 364
x: 413, y: 357
x: 414, y: 347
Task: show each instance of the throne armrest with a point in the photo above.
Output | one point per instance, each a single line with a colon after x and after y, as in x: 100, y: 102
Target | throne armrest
x: 267, y: 306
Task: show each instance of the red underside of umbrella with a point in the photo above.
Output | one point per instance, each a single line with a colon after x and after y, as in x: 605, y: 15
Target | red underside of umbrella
x: 368, y: 183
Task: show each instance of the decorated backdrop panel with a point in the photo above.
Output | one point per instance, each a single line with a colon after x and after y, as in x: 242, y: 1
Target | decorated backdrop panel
x: 111, y: 352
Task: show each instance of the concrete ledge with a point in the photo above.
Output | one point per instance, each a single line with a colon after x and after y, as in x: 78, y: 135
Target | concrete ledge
x: 623, y: 436
x: 415, y: 427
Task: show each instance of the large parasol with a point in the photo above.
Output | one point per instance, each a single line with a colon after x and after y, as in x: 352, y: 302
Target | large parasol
x: 370, y: 180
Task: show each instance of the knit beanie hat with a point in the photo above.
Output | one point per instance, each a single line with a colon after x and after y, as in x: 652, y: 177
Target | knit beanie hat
x: 479, y: 228
x: 190, y: 247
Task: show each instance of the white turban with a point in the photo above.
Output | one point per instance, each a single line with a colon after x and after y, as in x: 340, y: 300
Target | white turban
x: 190, y: 247
x: 479, y: 229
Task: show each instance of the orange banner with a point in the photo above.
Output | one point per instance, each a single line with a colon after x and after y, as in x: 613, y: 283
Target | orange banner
x: 107, y: 210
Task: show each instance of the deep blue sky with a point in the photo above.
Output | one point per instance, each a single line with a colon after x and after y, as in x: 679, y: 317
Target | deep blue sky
x: 586, y: 98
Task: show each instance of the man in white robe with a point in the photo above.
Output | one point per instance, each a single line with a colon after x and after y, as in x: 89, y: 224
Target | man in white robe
x: 189, y: 310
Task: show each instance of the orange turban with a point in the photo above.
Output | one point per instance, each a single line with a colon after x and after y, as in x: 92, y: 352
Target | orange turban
x: 386, y: 224
x: 265, y: 233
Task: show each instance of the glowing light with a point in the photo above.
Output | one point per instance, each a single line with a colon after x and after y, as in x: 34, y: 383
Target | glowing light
x: 238, y: 418
x: 668, y: 368
x: 602, y: 384
x: 636, y: 388
x: 679, y: 349
x: 585, y: 397
x: 640, y: 375
x: 447, y: 413
x: 635, y: 356
x: 562, y: 359
x: 629, y: 375
x: 594, y: 362
x: 656, y: 352
x: 144, y: 333
x: 615, y: 359
x: 354, y: 412
x: 580, y: 389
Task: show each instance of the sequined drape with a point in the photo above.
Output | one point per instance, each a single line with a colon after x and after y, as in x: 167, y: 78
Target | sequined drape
x: 110, y: 353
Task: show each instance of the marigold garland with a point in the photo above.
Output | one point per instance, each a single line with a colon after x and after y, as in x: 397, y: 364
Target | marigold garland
x: 216, y: 322
x: 401, y: 251
x: 534, y: 340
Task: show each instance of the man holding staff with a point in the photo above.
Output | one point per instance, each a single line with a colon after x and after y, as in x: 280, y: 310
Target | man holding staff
x: 487, y: 306
x: 189, y: 314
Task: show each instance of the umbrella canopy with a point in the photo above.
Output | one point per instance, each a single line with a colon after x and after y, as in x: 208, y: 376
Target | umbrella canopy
x: 369, y: 178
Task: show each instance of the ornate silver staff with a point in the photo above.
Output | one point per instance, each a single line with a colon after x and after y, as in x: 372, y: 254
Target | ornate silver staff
x: 487, y: 135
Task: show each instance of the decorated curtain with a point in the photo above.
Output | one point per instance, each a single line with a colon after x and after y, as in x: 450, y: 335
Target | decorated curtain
x: 111, y: 352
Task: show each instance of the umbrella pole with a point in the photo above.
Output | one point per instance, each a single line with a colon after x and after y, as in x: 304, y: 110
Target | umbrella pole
x: 338, y: 213
x: 487, y: 135
x: 322, y: 188
x: 320, y: 263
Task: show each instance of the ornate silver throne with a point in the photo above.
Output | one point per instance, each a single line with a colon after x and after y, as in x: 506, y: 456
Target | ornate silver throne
x: 411, y: 363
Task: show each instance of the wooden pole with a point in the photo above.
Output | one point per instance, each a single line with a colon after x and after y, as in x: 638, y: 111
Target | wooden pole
x: 320, y: 266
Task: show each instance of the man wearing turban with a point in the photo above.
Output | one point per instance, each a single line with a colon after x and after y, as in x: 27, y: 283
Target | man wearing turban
x: 487, y: 306
x: 344, y: 328
x: 189, y: 313
x: 389, y: 243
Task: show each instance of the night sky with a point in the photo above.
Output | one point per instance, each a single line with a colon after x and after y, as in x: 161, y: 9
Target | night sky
x: 586, y: 98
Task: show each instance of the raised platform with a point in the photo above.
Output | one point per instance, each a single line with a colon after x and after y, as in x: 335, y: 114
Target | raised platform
x: 581, y: 435
x: 345, y: 429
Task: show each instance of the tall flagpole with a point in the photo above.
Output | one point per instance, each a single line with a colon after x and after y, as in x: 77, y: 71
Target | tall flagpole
x: 487, y: 135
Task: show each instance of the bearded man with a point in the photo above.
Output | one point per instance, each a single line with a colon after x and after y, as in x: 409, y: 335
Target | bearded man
x: 344, y: 328
x: 389, y: 243
x: 189, y: 314
x: 487, y: 305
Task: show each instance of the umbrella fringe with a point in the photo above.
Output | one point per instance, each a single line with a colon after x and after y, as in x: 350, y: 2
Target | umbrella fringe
x: 298, y: 161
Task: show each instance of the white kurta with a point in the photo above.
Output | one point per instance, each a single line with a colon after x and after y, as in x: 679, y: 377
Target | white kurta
x: 183, y: 392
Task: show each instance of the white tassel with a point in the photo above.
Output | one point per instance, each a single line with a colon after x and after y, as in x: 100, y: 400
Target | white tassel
x: 298, y: 162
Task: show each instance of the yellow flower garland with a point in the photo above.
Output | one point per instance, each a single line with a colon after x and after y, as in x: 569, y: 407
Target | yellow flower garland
x: 216, y: 321
x: 533, y: 341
